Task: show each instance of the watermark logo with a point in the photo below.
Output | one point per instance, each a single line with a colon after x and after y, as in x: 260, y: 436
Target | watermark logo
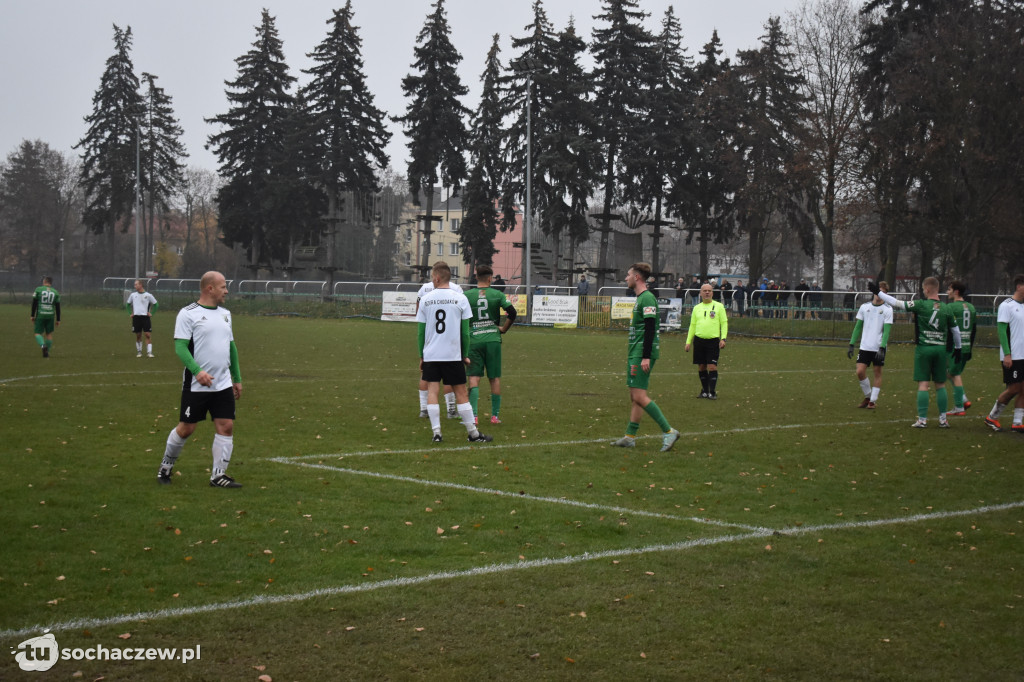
x: 38, y: 653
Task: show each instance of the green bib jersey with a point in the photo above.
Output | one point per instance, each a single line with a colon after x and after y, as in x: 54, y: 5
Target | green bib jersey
x: 967, y: 319
x: 46, y: 298
x: 486, y: 304
x: 646, y: 306
x: 933, y: 319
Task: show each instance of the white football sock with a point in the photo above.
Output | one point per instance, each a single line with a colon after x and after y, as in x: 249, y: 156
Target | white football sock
x: 222, y: 447
x: 174, y: 445
x: 449, y: 400
x: 466, y: 413
x: 997, y: 410
x: 423, y: 400
x: 434, y: 412
x: 149, y: 348
x: 1018, y: 416
x: 875, y: 390
x: 865, y: 386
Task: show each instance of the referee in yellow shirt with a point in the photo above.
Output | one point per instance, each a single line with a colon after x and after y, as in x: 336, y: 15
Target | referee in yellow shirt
x: 708, y: 329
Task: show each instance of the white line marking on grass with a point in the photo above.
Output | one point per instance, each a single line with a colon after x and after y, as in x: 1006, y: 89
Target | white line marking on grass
x: 541, y: 444
x: 504, y: 493
x: 80, y: 374
x: 265, y: 600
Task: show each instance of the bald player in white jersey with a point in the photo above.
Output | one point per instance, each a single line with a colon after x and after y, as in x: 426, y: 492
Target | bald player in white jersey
x: 443, y: 335
x: 212, y: 381
x: 449, y: 395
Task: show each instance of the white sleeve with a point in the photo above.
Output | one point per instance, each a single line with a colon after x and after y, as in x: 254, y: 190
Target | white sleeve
x: 956, y: 336
x: 894, y: 302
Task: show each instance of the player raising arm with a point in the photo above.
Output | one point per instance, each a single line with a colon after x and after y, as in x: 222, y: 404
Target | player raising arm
x: 934, y: 322
x: 875, y: 319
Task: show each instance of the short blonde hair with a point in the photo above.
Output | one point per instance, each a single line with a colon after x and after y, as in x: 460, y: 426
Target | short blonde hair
x: 441, y: 271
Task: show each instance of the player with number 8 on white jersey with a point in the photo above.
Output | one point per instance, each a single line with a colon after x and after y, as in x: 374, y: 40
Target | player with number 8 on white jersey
x: 443, y: 337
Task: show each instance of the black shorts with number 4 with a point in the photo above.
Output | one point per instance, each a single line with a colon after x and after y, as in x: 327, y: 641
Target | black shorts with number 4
x: 452, y: 373
x: 195, y: 405
x: 1014, y: 374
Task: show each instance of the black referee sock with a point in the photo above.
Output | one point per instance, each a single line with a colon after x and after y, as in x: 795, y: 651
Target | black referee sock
x: 713, y: 382
x: 703, y: 374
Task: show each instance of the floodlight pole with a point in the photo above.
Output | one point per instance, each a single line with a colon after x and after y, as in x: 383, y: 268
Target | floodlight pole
x: 528, y: 218
x: 62, y: 265
x: 138, y: 191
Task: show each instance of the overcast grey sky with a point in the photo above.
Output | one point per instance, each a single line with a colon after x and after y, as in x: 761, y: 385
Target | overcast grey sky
x: 54, y: 51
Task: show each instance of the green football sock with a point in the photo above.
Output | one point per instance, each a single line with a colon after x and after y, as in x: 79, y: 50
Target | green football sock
x: 39, y: 340
x: 49, y: 343
x: 958, y: 396
x: 474, y: 398
x: 654, y: 411
x: 495, y: 404
x: 942, y: 398
x: 922, y: 404
x: 632, y: 428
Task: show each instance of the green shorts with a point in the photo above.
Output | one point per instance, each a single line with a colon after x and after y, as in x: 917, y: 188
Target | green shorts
x: 485, y: 357
x: 44, y: 325
x: 930, y: 364
x: 635, y: 376
x: 955, y: 369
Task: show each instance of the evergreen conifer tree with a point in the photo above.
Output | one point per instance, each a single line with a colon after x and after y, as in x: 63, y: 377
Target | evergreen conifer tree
x: 250, y: 148
x: 435, y: 118
x: 110, y: 145
x: 163, y: 155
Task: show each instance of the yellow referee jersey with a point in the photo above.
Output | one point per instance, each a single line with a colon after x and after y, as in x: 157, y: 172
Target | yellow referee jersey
x: 708, y: 321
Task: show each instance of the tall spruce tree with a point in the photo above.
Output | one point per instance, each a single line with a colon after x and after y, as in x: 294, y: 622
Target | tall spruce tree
x: 666, y: 143
x: 250, y: 148
x: 435, y: 118
x: 569, y: 158
x: 775, y: 193
x: 487, y: 168
x: 622, y: 51
x: 348, y: 131
x: 164, y: 155
x: 703, y: 194
x: 109, y: 147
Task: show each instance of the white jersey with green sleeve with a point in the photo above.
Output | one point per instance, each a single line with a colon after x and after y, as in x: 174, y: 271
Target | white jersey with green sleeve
x: 209, y: 335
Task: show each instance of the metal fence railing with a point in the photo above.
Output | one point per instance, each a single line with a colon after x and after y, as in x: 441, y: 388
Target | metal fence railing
x: 821, y: 316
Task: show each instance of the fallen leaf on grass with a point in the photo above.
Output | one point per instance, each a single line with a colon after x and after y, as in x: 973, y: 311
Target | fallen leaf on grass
x: 126, y: 635
x: 267, y: 678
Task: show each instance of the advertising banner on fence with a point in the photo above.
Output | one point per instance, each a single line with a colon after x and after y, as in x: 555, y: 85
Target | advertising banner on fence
x: 670, y: 310
x: 560, y: 311
x: 519, y: 301
x: 398, y: 306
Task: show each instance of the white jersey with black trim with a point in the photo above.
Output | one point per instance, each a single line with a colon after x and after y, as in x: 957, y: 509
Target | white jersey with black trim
x: 141, y: 302
x: 1012, y: 313
x: 874, y: 317
x: 209, y: 335
x: 442, y: 311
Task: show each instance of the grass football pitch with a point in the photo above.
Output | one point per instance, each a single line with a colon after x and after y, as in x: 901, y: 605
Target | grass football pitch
x: 788, y: 535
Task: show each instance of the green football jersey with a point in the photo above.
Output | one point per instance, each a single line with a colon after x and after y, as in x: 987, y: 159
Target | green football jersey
x: 967, y: 319
x: 45, y: 298
x: 646, y: 306
x: 486, y: 304
x: 934, y: 320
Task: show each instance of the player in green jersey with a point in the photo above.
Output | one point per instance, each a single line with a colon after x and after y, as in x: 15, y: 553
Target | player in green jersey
x: 644, y: 349
x: 45, y: 314
x: 485, y: 338
x: 967, y: 320
x: 934, y: 322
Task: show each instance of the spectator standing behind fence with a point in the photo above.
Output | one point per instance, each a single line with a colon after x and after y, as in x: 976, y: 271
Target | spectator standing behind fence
x: 583, y: 286
x: 498, y: 284
x: 802, y: 298
x: 738, y: 295
x: 708, y: 328
x: 695, y: 290
x: 783, y: 300
x: 681, y: 290
x: 815, y: 300
x: 849, y: 301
